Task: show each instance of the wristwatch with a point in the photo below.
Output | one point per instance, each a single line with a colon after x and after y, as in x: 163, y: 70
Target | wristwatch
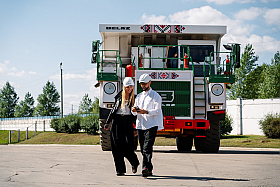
x: 147, y: 112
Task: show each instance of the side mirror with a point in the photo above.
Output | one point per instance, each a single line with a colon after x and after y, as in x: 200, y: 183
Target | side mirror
x: 95, y: 50
x: 227, y: 47
x: 94, y: 58
x: 236, y: 51
x: 95, y: 45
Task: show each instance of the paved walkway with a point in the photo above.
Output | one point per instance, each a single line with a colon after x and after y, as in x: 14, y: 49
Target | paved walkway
x: 65, y: 165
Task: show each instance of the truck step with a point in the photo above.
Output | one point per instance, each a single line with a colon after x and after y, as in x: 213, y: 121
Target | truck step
x: 199, y: 114
x: 199, y: 98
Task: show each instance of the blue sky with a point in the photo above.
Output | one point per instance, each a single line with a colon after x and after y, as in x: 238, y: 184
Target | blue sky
x: 36, y: 35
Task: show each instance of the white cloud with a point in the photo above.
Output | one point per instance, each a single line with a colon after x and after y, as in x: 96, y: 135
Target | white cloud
x: 249, y: 14
x: 221, y: 2
x: 267, y: 1
x: 71, y: 96
x: 16, y: 73
x: 260, y: 44
x: 205, y: 15
x: 14, y: 69
x: 6, y: 70
x: 153, y: 19
x: 32, y: 72
x: 237, y: 30
x: 77, y: 77
x: 4, y: 66
x: 226, y: 2
x: 89, y: 75
x: 272, y: 16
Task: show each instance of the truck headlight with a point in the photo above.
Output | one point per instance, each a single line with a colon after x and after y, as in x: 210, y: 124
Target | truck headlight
x: 109, y: 88
x: 217, y: 89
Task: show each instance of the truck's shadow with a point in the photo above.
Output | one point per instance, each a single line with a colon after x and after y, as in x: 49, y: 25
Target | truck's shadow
x: 225, y: 152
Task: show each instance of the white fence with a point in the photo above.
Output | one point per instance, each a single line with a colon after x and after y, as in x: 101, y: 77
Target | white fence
x: 43, y: 123
x: 246, y: 114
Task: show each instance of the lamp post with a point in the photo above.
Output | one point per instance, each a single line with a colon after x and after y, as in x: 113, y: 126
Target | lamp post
x: 61, y: 89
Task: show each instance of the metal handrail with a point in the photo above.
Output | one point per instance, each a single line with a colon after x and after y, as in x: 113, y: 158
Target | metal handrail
x: 232, y: 55
x: 164, y: 58
x: 100, y: 62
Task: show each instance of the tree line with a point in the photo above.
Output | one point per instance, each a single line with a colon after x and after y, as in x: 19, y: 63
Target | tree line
x: 48, y: 103
x: 254, y: 81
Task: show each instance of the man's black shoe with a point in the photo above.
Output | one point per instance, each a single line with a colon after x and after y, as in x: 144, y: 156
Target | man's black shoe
x: 120, y: 174
x: 134, y: 169
x: 145, y: 172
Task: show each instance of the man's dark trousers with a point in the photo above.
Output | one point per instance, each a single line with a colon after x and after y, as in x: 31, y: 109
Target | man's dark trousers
x: 146, y: 139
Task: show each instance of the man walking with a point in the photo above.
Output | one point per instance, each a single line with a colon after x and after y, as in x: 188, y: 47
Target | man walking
x: 147, y: 107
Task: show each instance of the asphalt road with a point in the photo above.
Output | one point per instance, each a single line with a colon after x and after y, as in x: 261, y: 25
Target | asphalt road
x: 65, y: 165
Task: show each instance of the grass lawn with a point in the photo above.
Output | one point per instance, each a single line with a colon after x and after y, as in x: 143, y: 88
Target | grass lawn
x: 253, y: 141
x: 4, y: 136
x: 64, y: 138
x: 85, y: 139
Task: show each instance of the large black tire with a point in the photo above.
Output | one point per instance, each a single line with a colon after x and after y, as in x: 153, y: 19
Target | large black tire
x: 104, y: 136
x: 184, y: 143
x: 211, y: 143
x: 197, y: 144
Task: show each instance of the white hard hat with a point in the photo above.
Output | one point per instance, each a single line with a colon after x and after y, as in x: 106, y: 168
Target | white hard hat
x: 128, y: 81
x: 145, y: 78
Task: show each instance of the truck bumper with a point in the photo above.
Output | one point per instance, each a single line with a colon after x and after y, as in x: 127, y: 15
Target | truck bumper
x: 184, y: 126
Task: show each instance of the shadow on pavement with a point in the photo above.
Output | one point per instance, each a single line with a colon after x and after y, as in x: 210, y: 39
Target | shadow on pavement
x: 262, y: 152
x: 156, y: 177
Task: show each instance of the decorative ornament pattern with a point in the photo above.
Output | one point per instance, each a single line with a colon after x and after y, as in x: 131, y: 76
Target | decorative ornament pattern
x: 146, y: 28
x: 153, y: 75
x: 162, y: 28
x: 164, y: 75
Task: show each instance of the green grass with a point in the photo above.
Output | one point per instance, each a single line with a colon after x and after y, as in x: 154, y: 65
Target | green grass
x: 252, y: 141
x: 64, y: 138
x: 4, y: 136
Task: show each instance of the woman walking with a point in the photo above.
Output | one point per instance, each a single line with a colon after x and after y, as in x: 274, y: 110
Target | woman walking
x: 121, y: 130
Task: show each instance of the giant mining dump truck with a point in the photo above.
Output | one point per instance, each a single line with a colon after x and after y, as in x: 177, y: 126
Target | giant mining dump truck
x: 187, y: 68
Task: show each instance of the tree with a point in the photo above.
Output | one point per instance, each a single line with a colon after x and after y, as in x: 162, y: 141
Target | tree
x: 85, y: 106
x: 254, y: 81
x: 239, y: 89
x: 48, y: 101
x: 270, y: 87
x: 8, y: 101
x: 226, y: 125
x: 95, y: 105
x: 25, y: 108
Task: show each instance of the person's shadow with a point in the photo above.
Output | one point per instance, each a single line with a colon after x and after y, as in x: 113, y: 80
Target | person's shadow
x: 157, y: 177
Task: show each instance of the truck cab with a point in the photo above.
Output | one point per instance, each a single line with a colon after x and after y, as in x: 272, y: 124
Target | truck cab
x: 187, y: 68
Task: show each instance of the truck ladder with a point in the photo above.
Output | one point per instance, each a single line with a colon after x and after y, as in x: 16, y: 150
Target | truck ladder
x: 199, y: 98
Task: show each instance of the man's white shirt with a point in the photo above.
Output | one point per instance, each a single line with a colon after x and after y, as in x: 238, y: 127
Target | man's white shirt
x: 150, y: 101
